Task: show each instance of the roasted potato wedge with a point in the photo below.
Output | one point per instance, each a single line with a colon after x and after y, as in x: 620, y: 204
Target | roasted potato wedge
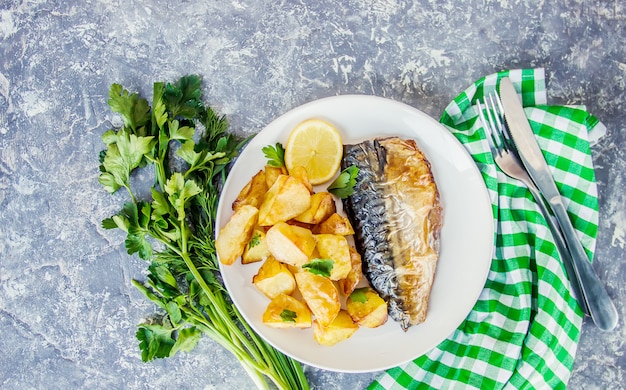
x: 294, y: 269
x: 334, y: 224
x: 285, y: 311
x: 286, y: 198
x: 337, y: 249
x: 301, y: 174
x: 272, y: 173
x: 367, y: 308
x: 354, y: 277
x: 256, y: 248
x: 320, y: 295
x: 253, y: 192
x: 274, y: 278
x: 322, y: 207
x: 290, y: 244
x: 235, y: 235
x: 340, y: 329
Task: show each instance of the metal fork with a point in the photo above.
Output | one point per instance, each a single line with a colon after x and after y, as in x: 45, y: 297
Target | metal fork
x: 507, y: 160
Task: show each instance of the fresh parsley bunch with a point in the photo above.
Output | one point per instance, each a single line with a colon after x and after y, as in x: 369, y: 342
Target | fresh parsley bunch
x: 183, y: 276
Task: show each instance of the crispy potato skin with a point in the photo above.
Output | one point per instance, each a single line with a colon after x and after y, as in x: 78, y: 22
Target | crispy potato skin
x: 236, y: 234
x: 274, y: 278
x: 257, y: 252
x: 340, y: 329
x: 286, y: 198
x: 334, y: 224
x: 272, y: 315
x: 290, y: 244
x: 322, y: 207
x: 336, y: 248
x: 320, y: 295
x: 252, y: 193
x: 272, y: 173
x: 301, y: 174
x: 354, y: 277
x: 371, y: 313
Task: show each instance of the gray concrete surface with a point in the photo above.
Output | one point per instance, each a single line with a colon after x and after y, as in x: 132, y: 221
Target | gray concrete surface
x: 68, y: 312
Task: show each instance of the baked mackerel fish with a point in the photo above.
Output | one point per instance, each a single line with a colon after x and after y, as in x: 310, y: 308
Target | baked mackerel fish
x: 397, y: 217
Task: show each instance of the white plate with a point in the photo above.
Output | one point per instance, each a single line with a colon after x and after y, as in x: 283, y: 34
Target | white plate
x: 466, y: 237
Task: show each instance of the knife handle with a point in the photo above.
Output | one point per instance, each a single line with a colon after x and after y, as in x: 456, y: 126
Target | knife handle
x: 601, y: 308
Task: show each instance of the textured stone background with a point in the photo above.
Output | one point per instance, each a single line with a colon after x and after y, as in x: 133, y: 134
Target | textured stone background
x: 68, y: 313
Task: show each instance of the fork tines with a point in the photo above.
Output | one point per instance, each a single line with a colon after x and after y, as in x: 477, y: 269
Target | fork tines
x: 495, y: 127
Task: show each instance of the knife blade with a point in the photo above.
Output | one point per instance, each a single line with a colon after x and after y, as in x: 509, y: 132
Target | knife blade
x: 601, y: 308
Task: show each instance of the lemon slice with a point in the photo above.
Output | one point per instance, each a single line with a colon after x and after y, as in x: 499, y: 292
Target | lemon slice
x: 315, y: 145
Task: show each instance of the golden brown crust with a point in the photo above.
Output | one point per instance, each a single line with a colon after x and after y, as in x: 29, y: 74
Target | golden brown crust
x: 415, y: 212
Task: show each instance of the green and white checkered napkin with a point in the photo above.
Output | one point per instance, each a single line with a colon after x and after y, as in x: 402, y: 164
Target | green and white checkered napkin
x: 523, y: 331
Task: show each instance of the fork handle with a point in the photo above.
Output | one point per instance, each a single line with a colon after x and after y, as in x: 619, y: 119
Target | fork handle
x: 561, y: 246
x: 601, y: 308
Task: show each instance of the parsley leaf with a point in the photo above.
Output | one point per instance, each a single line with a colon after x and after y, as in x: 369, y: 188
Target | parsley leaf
x: 159, y: 113
x: 183, y: 98
x: 155, y: 341
x: 343, y: 186
x: 186, y: 340
x: 134, y: 219
x: 322, y: 267
x: 161, y: 339
x: 275, y: 155
x: 162, y: 274
x: 288, y: 316
x: 359, y: 295
x: 199, y: 161
x: 182, y: 133
x: 138, y: 217
x: 121, y: 157
x: 173, y: 310
x: 160, y: 205
x: 135, y: 111
x: 179, y: 191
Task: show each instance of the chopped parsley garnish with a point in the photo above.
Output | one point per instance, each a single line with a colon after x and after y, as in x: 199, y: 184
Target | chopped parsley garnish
x: 321, y: 267
x: 255, y: 240
x: 359, y: 295
x: 288, y: 316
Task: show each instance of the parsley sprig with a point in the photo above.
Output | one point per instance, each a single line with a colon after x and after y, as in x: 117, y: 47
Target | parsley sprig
x: 288, y: 316
x: 275, y: 155
x: 182, y: 277
x: 343, y: 186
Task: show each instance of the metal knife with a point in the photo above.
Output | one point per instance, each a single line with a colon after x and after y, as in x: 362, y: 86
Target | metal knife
x: 601, y: 309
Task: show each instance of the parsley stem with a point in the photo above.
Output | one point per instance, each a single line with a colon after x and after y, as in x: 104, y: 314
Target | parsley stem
x: 254, y: 370
x: 130, y: 192
x: 160, y: 174
x: 224, y: 320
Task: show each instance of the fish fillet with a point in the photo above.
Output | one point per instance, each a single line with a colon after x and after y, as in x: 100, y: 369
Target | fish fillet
x: 397, y: 217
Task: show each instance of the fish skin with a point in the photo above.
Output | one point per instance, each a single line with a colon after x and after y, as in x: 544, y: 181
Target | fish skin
x: 396, y: 214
